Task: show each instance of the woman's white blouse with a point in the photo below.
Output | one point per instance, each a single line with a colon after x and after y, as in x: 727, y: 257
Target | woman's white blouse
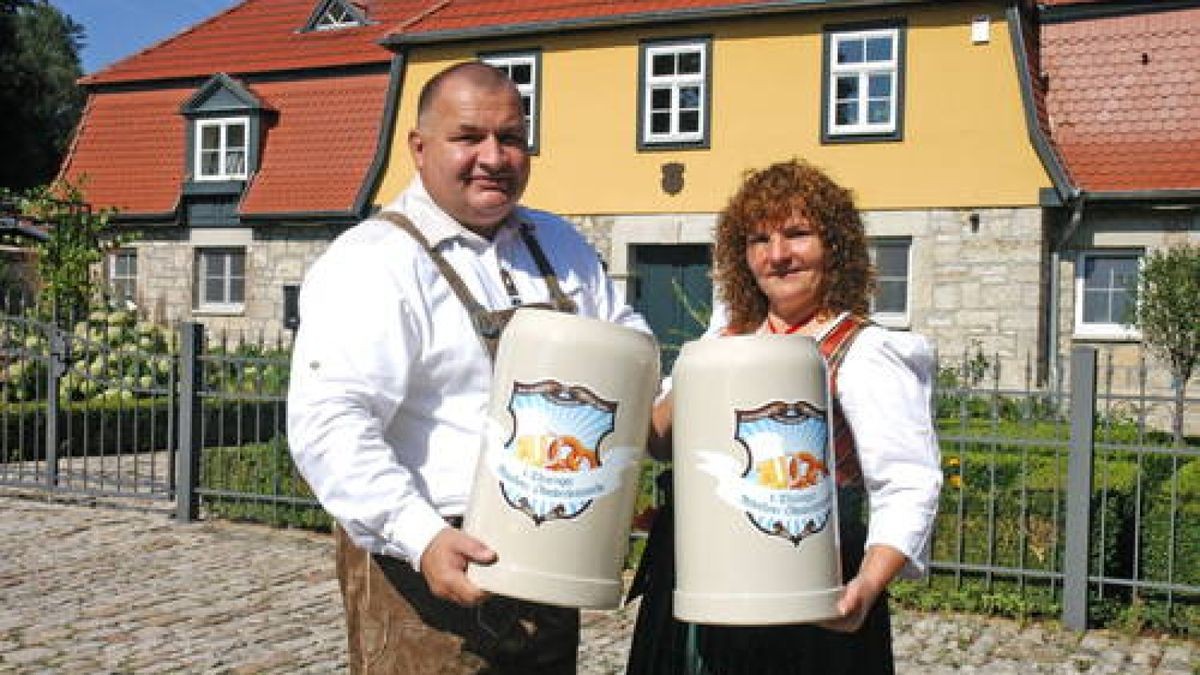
x: 885, y: 388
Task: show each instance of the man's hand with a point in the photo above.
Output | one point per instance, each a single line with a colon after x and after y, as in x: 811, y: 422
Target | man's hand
x: 444, y: 566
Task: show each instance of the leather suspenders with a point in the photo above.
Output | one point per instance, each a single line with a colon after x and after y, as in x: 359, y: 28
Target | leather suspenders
x: 488, y: 324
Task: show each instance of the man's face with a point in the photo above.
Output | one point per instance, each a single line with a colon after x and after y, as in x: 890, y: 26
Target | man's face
x: 471, y: 152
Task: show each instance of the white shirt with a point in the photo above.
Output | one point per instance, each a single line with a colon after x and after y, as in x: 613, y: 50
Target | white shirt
x: 885, y: 388
x: 389, y: 388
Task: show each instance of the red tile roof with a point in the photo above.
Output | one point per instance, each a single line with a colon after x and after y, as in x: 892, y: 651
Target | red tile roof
x: 315, y: 157
x: 317, y: 151
x: 447, y: 19
x: 130, y: 147
x: 1124, y: 99
x: 259, y: 36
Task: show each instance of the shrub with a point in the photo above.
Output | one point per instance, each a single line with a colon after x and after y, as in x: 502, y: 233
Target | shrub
x: 232, y: 476
x: 1170, y: 535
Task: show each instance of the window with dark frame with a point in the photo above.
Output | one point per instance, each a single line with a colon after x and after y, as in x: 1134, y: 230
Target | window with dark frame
x: 891, y: 259
x: 122, y: 275
x: 863, y: 82
x: 675, y: 93
x: 522, y: 69
x: 336, y: 14
x: 1106, y: 292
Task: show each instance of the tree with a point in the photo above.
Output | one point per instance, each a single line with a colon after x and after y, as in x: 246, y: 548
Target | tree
x: 39, y: 97
x: 79, y: 239
x: 1168, y: 314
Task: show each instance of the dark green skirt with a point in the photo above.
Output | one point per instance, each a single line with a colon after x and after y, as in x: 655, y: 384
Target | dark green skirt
x: 663, y: 645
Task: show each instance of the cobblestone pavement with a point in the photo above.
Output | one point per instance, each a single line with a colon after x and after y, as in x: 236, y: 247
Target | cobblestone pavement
x: 104, y: 590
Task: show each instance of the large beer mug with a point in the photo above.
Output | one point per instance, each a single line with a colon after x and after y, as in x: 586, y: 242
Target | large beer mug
x: 558, y: 473
x: 756, y: 533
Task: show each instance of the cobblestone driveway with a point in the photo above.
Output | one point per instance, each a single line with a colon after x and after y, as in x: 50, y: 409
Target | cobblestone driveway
x: 103, y: 590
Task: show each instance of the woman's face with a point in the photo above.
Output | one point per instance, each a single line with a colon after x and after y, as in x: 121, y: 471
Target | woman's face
x: 788, y: 263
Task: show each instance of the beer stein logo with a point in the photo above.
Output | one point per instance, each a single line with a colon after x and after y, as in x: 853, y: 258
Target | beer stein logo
x: 551, y: 467
x: 786, y: 489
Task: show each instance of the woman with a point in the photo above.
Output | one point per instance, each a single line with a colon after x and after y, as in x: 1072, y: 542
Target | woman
x: 791, y: 257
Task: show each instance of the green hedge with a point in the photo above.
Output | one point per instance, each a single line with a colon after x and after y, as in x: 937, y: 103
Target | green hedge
x: 96, y: 428
x: 86, y: 429
x: 259, y: 469
x: 1019, y: 495
x: 1175, y: 501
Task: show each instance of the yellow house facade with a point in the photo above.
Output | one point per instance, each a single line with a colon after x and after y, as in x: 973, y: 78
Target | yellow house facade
x: 917, y: 107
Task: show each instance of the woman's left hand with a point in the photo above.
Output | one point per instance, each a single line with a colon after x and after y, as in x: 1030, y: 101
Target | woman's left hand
x: 857, y: 599
x: 879, y: 566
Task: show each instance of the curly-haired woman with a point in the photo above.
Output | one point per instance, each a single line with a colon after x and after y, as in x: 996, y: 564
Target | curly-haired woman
x: 791, y: 257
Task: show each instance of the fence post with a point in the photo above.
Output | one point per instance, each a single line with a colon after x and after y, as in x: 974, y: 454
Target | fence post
x: 55, y: 368
x: 187, y: 467
x: 1079, y: 487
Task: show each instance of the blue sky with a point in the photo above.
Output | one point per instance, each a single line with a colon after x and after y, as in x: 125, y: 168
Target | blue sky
x: 118, y: 28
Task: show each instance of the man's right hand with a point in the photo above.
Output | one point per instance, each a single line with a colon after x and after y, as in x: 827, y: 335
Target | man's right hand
x: 444, y: 566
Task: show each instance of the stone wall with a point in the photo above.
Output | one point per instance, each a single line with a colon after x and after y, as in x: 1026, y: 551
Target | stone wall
x: 975, y: 278
x: 274, y: 257
x: 979, y: 281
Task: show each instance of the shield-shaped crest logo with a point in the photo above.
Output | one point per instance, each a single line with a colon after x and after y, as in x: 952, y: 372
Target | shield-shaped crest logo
x: 787, y: 489
x: 553, y: 467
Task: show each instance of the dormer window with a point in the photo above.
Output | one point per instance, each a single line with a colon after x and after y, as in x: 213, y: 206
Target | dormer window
x: 225, y: 124
x: 335, y: 15
x: 221, y: 148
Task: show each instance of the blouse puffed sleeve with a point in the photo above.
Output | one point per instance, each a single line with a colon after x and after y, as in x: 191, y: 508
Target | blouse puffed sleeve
x: 885, y: 387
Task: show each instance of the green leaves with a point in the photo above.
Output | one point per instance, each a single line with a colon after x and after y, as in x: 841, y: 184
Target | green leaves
x: 1168, y: 314
x: 79, y: 239
x: 39, y: 97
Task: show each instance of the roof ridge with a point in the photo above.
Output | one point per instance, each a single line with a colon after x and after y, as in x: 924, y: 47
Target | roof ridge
x: 421, y: 16
x: 170, y: 38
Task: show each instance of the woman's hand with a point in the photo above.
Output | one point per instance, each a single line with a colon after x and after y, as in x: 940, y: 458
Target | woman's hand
x: 858, y: 597
x: 658, y: 443
x: 880, y: 565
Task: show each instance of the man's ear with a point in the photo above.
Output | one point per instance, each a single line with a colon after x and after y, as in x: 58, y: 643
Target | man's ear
x: 416, y: 147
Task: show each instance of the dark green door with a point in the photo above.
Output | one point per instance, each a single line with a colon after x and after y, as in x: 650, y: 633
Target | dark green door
x: 670, y: 286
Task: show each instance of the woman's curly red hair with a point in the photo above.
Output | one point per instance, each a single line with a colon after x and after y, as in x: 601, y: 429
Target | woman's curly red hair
x: 766, y: 199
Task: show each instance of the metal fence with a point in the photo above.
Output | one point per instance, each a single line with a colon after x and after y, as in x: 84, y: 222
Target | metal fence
x: 87, y: 406
x: 1073, y: 492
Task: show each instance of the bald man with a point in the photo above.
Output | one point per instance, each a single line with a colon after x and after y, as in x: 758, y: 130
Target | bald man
x: 391, y: 379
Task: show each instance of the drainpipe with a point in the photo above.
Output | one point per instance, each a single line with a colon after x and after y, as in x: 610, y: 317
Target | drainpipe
x: 1073, y: 223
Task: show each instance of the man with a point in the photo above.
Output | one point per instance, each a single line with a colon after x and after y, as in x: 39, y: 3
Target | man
x: 390, y: 384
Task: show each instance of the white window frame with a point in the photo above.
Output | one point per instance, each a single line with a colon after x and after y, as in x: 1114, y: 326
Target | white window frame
x: 675, y: 83
x: 332, y: 19
x: 1106, y: 330
x: 225, y: 304
x: 122, y: 279
x: 528, y: 90
x: 224, y: 149
x: 863, y: 72
x: 892, y: 318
